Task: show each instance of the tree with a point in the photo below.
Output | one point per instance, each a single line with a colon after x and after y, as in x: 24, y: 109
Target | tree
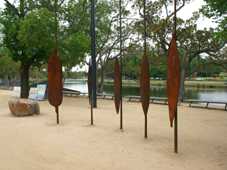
x: 217, y: 10
x: 191, y: 42
x: 8, y: 68
x: 108, y: 38
x: 29, y: 35
x: 74, y: 34
x: 39, y: 73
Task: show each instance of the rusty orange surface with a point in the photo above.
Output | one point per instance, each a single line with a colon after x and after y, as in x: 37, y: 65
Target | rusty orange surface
x: 89, y: 81
x: 145, y: 84
x: 117, y: 85
x: 173, y: 79
x: 54, y: 80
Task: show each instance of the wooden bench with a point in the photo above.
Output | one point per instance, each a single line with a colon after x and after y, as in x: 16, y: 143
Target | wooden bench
x: 83, y: 93
x: 71, y: 93
x: 159, y: 98
x: 134, y: 97
x: 105, y: 95
x: 207, y: 102
x: 151, y: 98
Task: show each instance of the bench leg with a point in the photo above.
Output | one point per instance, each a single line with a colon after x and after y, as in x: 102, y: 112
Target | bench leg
x: 207, y: 104
x: 190, y: 103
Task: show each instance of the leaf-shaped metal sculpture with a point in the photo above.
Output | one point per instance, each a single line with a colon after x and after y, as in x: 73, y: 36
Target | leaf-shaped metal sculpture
x: 173, y: 79
x: 89, y: 81
x: 54, y: 78
x: 55, y: 82
x: 144, y: 76
x: 145, y: 87
x: 117, y: 86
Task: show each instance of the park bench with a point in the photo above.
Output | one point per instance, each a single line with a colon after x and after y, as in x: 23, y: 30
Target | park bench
x: 132, y: 97
x: 105, y: 95
x: 151, y: 98
x: 204, y: 101
x: 83, y: 93
x: 71, y: 93
x: 158, y: 98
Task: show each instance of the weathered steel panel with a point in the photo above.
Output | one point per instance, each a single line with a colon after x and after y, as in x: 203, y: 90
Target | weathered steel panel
x: 89, y: 81
x: 117, y: 85
x: 173, y: 79
x: 145, y: 83
x: 54, y: 80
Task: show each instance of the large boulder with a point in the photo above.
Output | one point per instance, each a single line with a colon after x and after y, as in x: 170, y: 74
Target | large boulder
x: 24, y: 107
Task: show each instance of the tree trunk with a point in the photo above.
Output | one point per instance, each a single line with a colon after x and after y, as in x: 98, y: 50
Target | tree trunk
x: 13, y: 78
x: 182, y: 91
x: 65, y: 76
x: 41, y: 79
x: 100, y: 87
x: 37, y: 76
x: 24, y: 73
x: 7, y: 80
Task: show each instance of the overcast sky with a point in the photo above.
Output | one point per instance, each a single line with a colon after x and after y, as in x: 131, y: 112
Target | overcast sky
x: 185, y: 13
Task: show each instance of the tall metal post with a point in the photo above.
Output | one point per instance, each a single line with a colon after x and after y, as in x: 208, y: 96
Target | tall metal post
x: 93, y: 54
x: 121, y: 114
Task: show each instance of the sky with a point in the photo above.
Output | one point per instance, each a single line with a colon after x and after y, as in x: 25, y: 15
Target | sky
x: 184, y: 13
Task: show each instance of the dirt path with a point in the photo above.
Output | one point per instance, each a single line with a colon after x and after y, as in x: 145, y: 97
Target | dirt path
x: 37, y: 142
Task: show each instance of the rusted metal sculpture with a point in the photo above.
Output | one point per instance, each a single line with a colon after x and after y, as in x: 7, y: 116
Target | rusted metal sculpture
x: 117, y: 86
x: 144, y: 79
x: 173, y: 79
x: 55, y: 75
x: 89, y: 81
x: 173, y: 82
x: 118, y: 79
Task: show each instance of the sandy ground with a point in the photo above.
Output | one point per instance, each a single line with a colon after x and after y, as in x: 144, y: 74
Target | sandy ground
x: 38, y: 143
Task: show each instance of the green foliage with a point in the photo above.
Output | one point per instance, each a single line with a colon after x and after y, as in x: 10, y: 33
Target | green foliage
x: 77, y: 74
x: 217, y: 10
x: 29, y: 38
x: 74, y: 40
x: 191, y: 41
x: 75, y: 34
x: 36, y: 34
x: 7, y: 66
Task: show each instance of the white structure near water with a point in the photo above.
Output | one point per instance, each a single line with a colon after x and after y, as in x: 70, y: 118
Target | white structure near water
x: 16, y: 92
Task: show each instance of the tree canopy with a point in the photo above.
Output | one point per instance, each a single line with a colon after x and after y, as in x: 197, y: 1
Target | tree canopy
x: 192, y: 42
x: 217, y: 10
x: 28, y: 32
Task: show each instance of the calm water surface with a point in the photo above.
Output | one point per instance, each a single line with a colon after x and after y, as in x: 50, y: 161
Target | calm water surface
x: 200, y: 94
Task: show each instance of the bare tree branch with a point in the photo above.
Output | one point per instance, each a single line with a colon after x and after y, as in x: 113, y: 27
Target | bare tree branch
x: 61, y: 2
x: 14, y: 8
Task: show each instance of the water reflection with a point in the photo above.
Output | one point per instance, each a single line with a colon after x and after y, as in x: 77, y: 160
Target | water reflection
x: 200, y: 94
x: 79, y: 84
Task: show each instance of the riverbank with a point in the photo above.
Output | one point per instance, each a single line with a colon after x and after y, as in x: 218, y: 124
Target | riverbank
x: 188, y: 84
x: 37, y: 142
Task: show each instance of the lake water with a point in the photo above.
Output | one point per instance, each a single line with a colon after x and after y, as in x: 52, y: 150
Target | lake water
x: 200, y: 94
